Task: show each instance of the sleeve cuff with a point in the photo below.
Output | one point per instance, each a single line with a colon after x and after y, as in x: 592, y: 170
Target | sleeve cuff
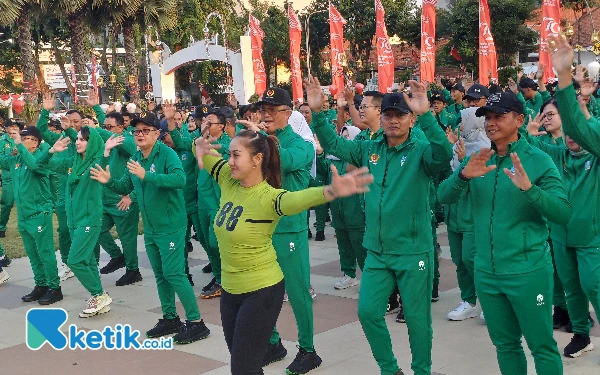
x: 533, y: 194
x: 319, y: 119
x: 459, y: 183
x: 20, y: 147
x: 150, y: 177
x: 426, y: 119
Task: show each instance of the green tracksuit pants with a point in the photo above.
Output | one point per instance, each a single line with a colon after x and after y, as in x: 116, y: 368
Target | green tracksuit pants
x: 558, y: 296
x: 517, y: 306
x: 64, y: 236
x: 462, y: 251
x: 7, y: 201
x: 193, y: 221
x: 82, y: 258
x: 37, y: 234
x: 436, y: 256
x: 579, y: 270
x: 412, y: 274
x: 126, y: 223
x: 2, y: 253
x: 295, y: 264
x: 166, y: 253
x: 208, y: 240
x: 351, y: 250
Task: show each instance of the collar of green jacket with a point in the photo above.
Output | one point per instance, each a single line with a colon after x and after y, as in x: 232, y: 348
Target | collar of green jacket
x: 283, y: 131
x: 519, y: 145
x: 93, y: 152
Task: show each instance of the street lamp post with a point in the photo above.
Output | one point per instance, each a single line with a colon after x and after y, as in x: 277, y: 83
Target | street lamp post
x: 307, y: 28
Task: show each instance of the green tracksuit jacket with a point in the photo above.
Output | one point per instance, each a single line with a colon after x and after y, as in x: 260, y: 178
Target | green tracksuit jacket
x: 452, y: 111
x: 183, y: 146
x: 209, y: 193
x: 399, y: 173
x: 6, y: 147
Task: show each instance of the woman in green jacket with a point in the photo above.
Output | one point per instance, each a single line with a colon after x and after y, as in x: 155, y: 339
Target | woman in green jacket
x: 84, y: 214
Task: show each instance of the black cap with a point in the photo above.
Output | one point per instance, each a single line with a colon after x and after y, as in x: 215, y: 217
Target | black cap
x: 55, y: 124
x: 478, y: 91
x: 13, y: 122
x: 202, y: 111
x: 276, y: 96
x: 501, y: 104
x: 147, y: 118
x: 437, y: 95
x: 395, y: 101
x: 494, y: 89
x: 227, y: 111
x: 164, y: 128
x: 32, y: 131
x: 528, y: 83
x: 459, y: 87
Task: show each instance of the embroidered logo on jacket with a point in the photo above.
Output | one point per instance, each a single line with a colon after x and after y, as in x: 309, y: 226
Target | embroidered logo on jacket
x: 421, y: 265
x: 540, y: 300
x: 402, y: 160
x: 374, y: 159
x: 153, y: 168
x: 588, y: 165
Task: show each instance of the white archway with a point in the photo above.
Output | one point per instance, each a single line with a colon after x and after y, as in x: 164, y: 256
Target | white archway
x: 163, y: 66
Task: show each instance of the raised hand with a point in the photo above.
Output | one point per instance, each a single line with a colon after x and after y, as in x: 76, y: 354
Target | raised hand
x: 256, y: 126
x: 452, y: 135
x: 583, y: 108
x: 561, y: 54
x: 349, y: 95
x: 438, y: 82
x: 520, y: 75
x: 533, y: 127
x: 579, y: 73
x: 151, y: 105
x: 124, y: 203
x: 341, y: 102
x: 49, y: 101
x: 419, y: 103
x: 205, y: 146
x: 169, y: 109
x: 65, y: 122
x: 136, y: 169
x: 315, y: 97
x: 519, y: 176
x: 460, y: 150
x: 92, y: 98
x: 60, y: 145
x: 351, y: 183
x: 476, y: 167
x: 588, y: 87
x: 539, y: 75
x: 16, y: 137
x: 512, y: 85
x: 113, y: 141
x: 99, y: 174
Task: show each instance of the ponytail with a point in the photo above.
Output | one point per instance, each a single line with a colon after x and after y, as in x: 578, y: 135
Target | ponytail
x: 271, y: 167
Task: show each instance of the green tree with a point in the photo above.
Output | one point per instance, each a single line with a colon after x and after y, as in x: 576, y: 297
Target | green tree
x: 19, y: 11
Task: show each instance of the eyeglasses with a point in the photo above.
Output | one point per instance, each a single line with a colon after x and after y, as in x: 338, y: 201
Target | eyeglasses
x: 364, y: 106
x: 26, y: 138
x: 143, y: 131
x: 215, y: 123
x: 109, y: 127
x: 549, y: 115
x: 271, y: 111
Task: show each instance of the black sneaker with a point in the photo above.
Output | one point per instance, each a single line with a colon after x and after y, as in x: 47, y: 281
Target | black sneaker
x: 400, y: 316
x: 309, y: 234
x: 113, y: 265
x: 195, y: 237
x: 320, y: 236
x: 274, y: 353
x: 304, y: 362
x: 400, y: 372
x: 4, y: 262
x: 191, y: 331
x: 165, y: 327
x: 213, y: 292
x: 209, y: 285
x: 2, y: 233
x: 189, y: 275
x: 207, y: 268
x: 393, y: 304
x: 435, y: 294
x: 51, y: 296
x: 189, y: 247
x: 130, y: 277
x: 560, y: 317
x: 37, y: 293
x: 578, y: 345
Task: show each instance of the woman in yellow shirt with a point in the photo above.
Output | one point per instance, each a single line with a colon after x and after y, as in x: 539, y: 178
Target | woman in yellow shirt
x: 251, y: 205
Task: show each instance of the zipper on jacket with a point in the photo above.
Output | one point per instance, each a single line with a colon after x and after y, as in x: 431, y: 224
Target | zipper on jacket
x: 387, y: 163
x: 498, y: 160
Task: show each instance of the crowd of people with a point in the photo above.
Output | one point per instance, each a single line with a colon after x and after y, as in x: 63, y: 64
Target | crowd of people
x: 512, y: 172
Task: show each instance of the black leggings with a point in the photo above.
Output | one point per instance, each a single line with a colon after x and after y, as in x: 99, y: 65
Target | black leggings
x: 248, y: 320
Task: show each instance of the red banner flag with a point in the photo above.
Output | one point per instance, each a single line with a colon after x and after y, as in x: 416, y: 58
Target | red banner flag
x: 385, y: 55
x: 295, y: 40
x: 256, y: 41
x: 488, y: 62
x: 336, y: 40
x: 428, y: 41
x: 454, y: 53
x: 550, y: 27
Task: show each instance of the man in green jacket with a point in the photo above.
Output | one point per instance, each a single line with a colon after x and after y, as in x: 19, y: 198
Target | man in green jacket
x: 400, y: 251
x: 457, y: 93
x: 156, y: 174
x: 291, y: 234
x: 7, y: 199
x: 513, y: 266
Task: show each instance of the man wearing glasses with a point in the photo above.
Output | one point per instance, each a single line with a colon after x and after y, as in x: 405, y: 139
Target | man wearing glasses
x: 370, y: 114
x: 291, y: 235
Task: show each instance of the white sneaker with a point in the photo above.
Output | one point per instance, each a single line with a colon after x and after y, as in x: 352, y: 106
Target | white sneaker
x: 464, y: 311
x: 346, y: 282
x: 95, y: 304
x: 4, y: 277
x: 65, y: 273
x: 482, y: 318
x: 312, y: 292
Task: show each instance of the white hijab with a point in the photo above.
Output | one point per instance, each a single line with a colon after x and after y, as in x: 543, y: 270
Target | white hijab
x: 473, y: 134
x: 300, y: 127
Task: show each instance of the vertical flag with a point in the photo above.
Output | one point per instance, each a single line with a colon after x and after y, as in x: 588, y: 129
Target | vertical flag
x: 488, y: 63
x: 336, y: 39
x: 428, y: 20
x: 295, y: 40
x: 550, y: 27
x: 385, y: 55
x: 256, y: 41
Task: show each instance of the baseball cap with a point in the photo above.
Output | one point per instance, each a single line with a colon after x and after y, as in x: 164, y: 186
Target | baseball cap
x: 395, y: 101
x: 147, y: 118
x: 202, y: 111
x: 501, y: 104
x: 55, y: 124
x: 477, y: 91
x: 164, y: 128
x: 494, y: 89
x: 13, y: 122
x: 32, y: 131
x: 227, y: 111
x: 459, y: 87
x: 528, y: 83
x: 437, y: 95
x: 276, y: 96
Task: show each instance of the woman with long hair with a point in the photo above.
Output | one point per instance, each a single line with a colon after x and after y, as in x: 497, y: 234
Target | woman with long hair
x: 251, y: 205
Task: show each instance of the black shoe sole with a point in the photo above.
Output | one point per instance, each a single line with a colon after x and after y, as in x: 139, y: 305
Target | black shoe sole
x: 287, y: 371
x: 137, y: 279
x: 201, y: 336
x: 170, y: 332
x: 45, y: 303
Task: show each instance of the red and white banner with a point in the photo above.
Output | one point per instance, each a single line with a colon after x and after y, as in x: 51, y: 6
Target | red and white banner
x: 550, y: 27
x: 256, y: 41
x: 385, y: 55
x: 428, y: 41
x: 336, y: 40
x: 488, y: 62
x: 295, y: 40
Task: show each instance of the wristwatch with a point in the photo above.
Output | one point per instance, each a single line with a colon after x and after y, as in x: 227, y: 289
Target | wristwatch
x: 461, y: 175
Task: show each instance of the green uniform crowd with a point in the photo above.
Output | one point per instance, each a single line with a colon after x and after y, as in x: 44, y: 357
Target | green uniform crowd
x: 512, y: 172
